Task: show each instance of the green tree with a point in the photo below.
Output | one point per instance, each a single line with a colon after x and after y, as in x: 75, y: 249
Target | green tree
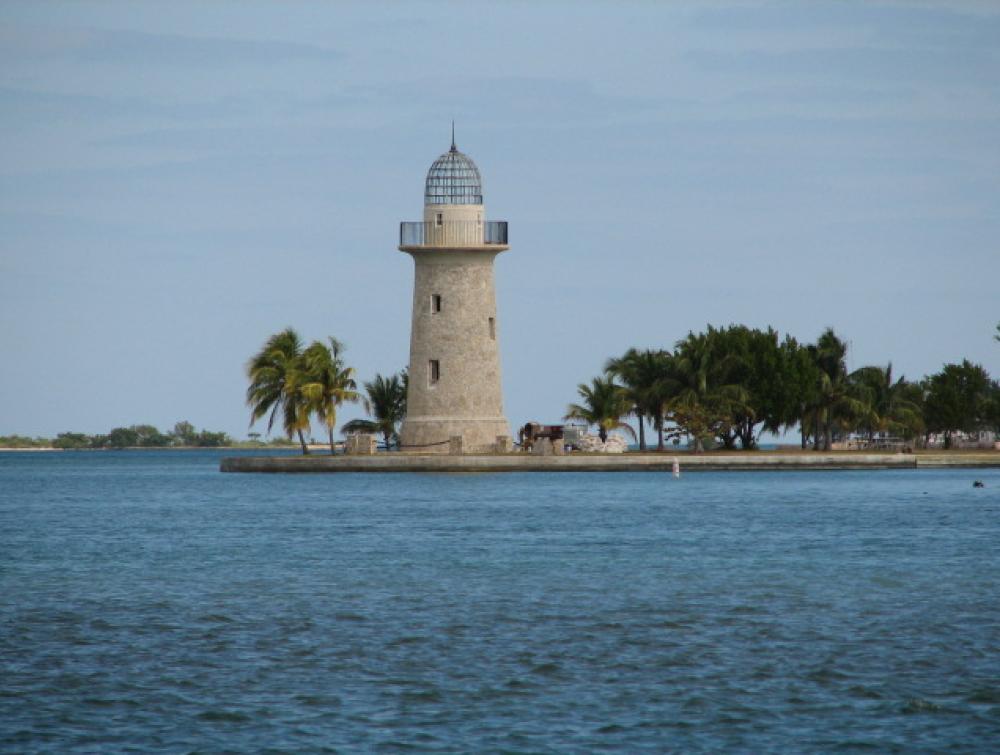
x: 275, y: 374
x: 122, y: 437
x: 797, y: 383
x: 326, y: 382
x: 749, y: 361
x: 625, y: 369
x: 958, y: 400
x: 887, y: 406
x: 660, y: 389
x: 702, y: 403
x: 150, y: 437
x: 23, y: 441
x: 993, y: 409
x: 72, y: 441
x: 207, y: 439
x: 604, y: 404
x: 385, y: 401
x: 836, y: 402
x: 645, y: 380
x: 184, y: 433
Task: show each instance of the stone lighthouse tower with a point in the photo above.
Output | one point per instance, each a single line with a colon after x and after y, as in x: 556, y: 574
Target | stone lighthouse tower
x: 454, y: 352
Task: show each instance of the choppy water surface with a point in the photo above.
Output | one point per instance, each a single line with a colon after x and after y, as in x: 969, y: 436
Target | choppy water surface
x: 148, y: 601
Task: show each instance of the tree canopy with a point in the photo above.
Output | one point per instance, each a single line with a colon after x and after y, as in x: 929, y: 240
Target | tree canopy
x: 296, y: 383
x: 726, y: 385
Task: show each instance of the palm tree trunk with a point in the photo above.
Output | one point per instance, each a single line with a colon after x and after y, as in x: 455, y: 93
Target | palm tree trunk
x: 816, y: 430
x: 302, y: 440
x: 332, y: 451
x: 642, y: 432
x: 659, y: 435
x: 602, y: 433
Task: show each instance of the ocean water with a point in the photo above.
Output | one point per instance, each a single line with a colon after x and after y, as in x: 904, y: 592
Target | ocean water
x: 150, y: 603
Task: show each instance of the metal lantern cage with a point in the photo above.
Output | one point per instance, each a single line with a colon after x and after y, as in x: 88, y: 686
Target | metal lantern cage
x: 453, y: 179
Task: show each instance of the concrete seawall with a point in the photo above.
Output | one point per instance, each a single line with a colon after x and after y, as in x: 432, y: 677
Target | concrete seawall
x: 393, y: 462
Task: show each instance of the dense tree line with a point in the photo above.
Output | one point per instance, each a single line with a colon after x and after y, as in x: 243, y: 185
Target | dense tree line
x: 726, y: 386
x: 145, y: 436
x: 133, y: 436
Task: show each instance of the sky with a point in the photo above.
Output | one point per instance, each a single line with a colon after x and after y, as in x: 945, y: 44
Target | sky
x: 180, y: 180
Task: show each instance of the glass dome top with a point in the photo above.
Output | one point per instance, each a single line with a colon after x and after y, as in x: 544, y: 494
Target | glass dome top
x: 453, y: 179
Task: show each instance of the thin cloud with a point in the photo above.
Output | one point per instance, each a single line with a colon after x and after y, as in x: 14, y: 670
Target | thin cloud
x: 133, y: 48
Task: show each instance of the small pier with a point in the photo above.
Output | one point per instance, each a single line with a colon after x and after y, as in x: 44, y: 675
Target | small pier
x: 584, y: 462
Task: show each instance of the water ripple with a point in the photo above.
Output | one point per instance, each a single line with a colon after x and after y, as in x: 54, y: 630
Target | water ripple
x: 147, y: 602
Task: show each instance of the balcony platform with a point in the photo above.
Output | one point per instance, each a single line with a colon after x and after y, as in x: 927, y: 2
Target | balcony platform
x: 454, y: 234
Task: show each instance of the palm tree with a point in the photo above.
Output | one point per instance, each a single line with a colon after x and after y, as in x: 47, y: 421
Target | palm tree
x: 326, y: 382
x: 837, y: 401
x: 661, y: 387
x: 889, y: 405
x: 604, y: 404
x: 628, y: 369
x: 644, y: 375
x: 275, y: 374
x: 386, y: 402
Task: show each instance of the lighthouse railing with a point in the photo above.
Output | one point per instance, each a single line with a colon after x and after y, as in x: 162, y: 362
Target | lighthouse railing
x: 453, y: 233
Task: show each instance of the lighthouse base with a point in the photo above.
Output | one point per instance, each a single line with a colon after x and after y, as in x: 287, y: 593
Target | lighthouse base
x: 431, y: 435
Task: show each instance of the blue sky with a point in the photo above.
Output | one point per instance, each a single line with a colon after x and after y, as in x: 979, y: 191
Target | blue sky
x: 180, y: 180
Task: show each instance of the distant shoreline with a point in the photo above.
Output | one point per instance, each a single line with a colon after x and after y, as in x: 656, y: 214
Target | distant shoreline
x: 45, y: 449
x: 32, y: 449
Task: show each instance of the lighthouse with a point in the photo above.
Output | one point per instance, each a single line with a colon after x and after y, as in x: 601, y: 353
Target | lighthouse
x: 454, y: 386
